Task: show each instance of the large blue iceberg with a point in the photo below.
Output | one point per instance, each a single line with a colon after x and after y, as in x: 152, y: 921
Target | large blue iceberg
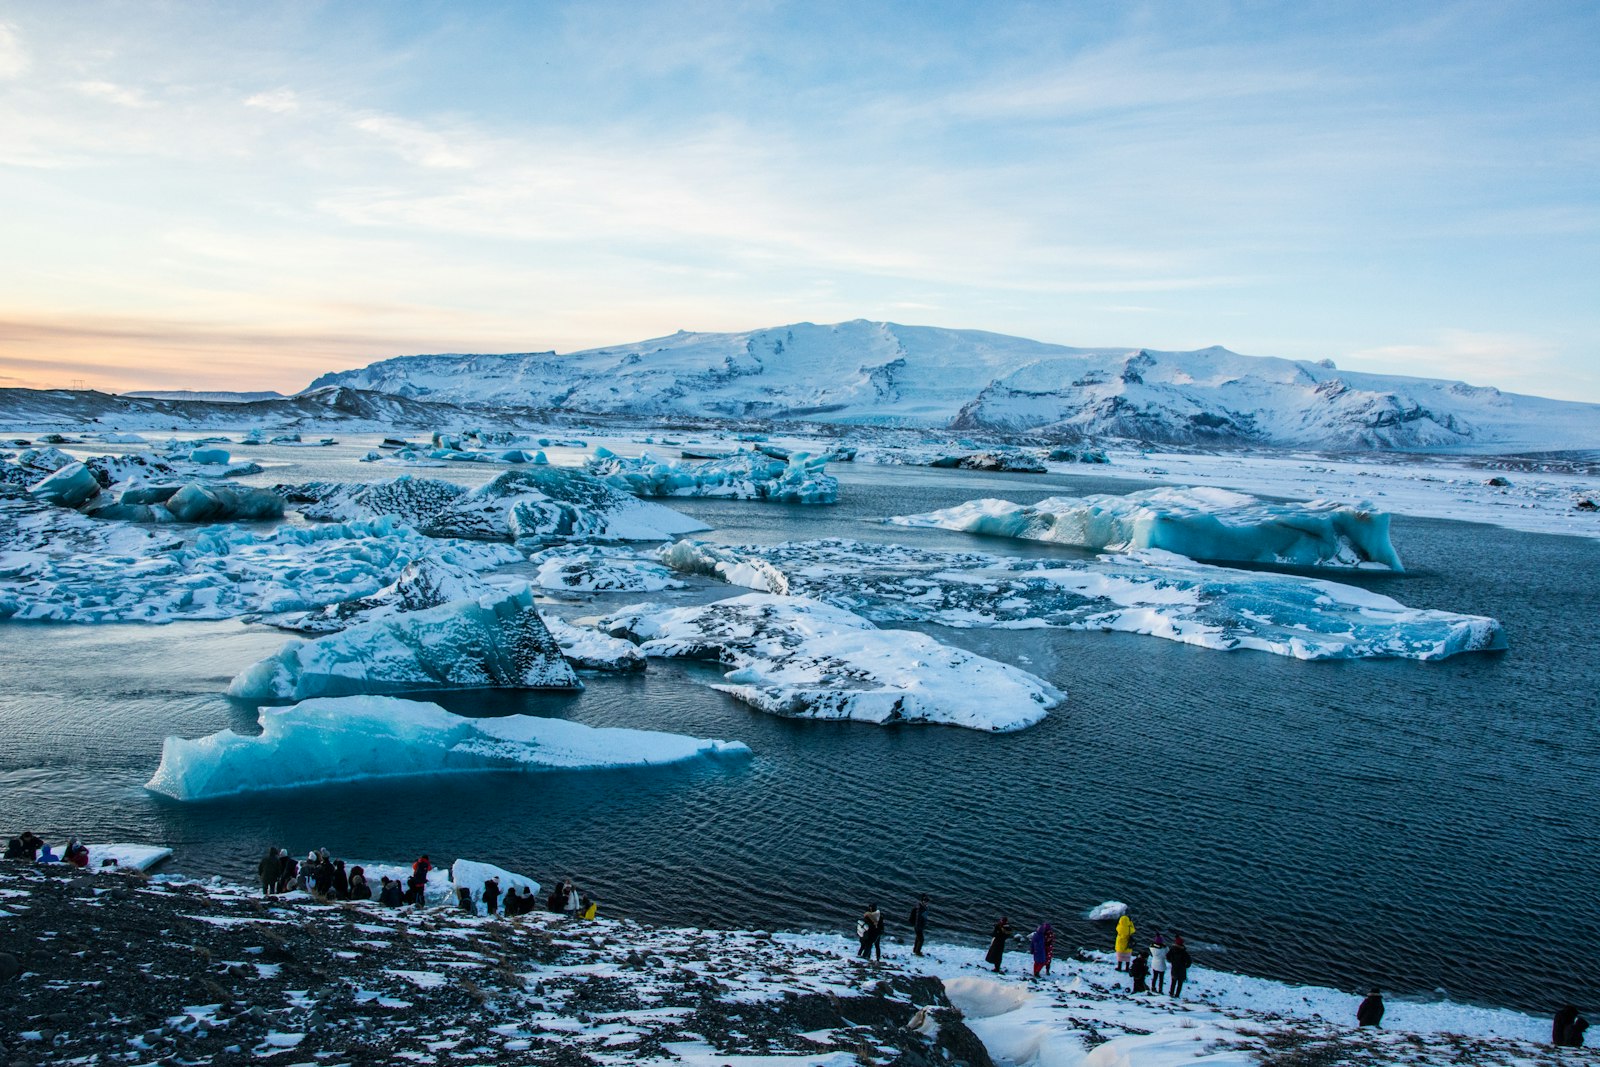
x: 1201, y: 523
x: 343, y: 740
x: 795, y: 478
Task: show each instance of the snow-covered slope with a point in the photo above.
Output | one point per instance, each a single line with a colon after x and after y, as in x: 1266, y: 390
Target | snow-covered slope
x: 876, y: 373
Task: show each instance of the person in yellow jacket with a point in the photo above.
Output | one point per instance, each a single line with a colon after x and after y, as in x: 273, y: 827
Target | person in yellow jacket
x: 1125, y: 930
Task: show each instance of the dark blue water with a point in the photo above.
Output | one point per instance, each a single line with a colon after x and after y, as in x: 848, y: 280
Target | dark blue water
x: 1421, y: 826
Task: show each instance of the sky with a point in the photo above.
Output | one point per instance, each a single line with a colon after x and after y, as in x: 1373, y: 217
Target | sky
x: 243, y: 196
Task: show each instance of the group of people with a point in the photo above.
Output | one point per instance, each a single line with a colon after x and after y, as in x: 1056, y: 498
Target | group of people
x: 1160, y: 964
x: 31, y: 847
x: 323, y: 876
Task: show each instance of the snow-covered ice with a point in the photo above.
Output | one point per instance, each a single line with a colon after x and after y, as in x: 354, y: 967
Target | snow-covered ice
x: 496, y: 641
x: 1198, y: 522
x: 59, y: 566
x: 590, y: 650
x: 550, y: 503
x: 599, y: 569
x: 797, y: 657
x: 1149, y: 592
x: 352, y: 738
x: 798, y: 478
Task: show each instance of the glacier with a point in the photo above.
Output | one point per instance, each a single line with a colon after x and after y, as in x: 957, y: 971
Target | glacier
x: 801, y: 658
x: 1148, y: 592
x: 346, y: 739
x: 496, y: 641
x: 1198, y: 522
x: 795, y: 478
x: 60, y: 566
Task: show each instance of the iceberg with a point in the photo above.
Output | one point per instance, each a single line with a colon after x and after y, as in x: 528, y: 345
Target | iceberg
x: 553, y: 503
x: 793, y: 478
x: 318, y: 742
x: 69, y: 487
x: 498, y: 641
x: 414, y: 501
x: 471, y: 874
x: 1107, y: 911
x: 1201, y: 523
x: 599, y: 569
x: 217, y: 456
x: 1150, y: 592
x: 734, y: 566
x: 425, y: 582
x: 801, y: 658
x: 60, y: 566
x: 200, y: 503
x: 590, y: 650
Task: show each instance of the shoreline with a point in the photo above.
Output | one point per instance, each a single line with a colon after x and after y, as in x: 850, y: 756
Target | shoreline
x: 217, y: 968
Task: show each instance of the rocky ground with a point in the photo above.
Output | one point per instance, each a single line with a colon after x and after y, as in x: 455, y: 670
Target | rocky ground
x: 117, y: 968
x: 103, y: 968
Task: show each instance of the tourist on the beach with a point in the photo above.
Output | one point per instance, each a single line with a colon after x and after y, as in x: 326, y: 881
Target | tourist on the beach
x: 359, y: 888
x: 1564, y: 1016
x: 919, y: 923
x: 32, y: 843
x: 1139, y: 970
x: 1177, y: 965
x: 530, y: 903
x: 513, y: 903
x: 341, y: 881
x: 306, y: 879
x: 870, y: 929
x: 1124, y: 946
x: 1158, y: 964
x: 573, y: 904
x: 1572, y: 1036
x: 322, y: 880
x: 389, y: 895
x: 491, y: 896
x: 464, y: 899
x: 48, y: 854
x: 15, y: 851
x: 77, y: 854
x: 417, y: 885
x: 269, y: 868
x: 288, y: 868
x: 588, y: 907
x: 1370, y: 1011
x: 997, y: 943
x: 559, y: 895
x: 1043, y: 944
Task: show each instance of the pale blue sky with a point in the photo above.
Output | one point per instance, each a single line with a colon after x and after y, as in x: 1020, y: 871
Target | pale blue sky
x: 246, y: 195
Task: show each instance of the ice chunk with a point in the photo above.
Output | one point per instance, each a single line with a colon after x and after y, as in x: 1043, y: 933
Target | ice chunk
x: 600, y: 569
x: 209, y: 455
x: 342, y: 740
x: 497, y: 641
x: 1111, y: 909
x: 471, y: 874
x: 425, y: 582
x: 61, y: 566
x: 414, y: 501
x: 44, y: 460
x: 68, y: 487
x: 796, y: 478
x: 590, y: 650
x: 1150, y: 592
x: 733, y: 567
x: 1200, y: 523
x: 997, y: 460
x: 215, y: 503
x: 557, y: 504
x: 798, y: 657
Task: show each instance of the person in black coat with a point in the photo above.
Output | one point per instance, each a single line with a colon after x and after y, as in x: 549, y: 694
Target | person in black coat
x: 997, y: 943
x: 464, y: 899
x: 1370, y: 1011
x: 491, y: 895
x: 1177, y: 966
x: 1139, y: 970
x: 919, y: 923
x: 287, y: 872
x: 341, y: 881
x: 1558, y: 1026
x: 1572, y: 1036
x: 270, y: 867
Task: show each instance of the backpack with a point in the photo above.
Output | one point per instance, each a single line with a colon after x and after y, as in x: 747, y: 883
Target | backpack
x: 861, y: 928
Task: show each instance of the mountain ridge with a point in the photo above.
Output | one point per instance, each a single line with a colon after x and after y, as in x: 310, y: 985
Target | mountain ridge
x: 867, y: 373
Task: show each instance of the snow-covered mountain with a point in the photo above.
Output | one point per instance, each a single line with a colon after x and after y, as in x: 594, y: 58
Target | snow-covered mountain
x: 884, y: 374
x: 352, y: 408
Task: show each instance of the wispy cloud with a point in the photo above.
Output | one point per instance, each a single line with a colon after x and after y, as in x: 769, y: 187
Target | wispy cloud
x: 14, y: 60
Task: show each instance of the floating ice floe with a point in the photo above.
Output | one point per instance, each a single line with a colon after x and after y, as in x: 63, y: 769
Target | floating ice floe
x: 60, y: 566
x: 1200, y: 523
x: 344, y: 740
x: 793, y: 478
x: 1111, y: 909
x: 498, y: 641
x: 560, y: 504
x: 600, y: 569
x: 414, y: 501
x: 797, y: 657
x: 590, y: 650
x: 1149, y: 592
x: 122, y: 856
x: 734, y: 566
x: 425, y: 582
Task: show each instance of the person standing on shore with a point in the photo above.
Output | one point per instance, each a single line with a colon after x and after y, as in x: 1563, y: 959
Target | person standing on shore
x: 870, y: 927
x: 270, y: 867
x: 1158, y: 964
x: 1177, y: 965
x: 1572, y: 1035
x: 1043, y: 944
x: 997, y: 943
x: 1124, y: 946
x: 1138, y: 970
x: 919, y: 923
x: 1370, y: 1011
x: 1558, y: 1027
x: 491, y: 896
